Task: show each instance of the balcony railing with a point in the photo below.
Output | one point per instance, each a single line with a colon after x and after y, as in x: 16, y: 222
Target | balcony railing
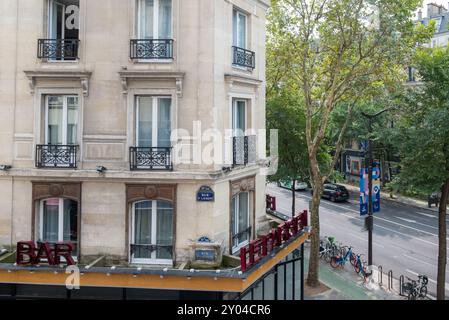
x: 243, y: 150
x: 151, y: 49
x: 58, y: 49
x: 150, y: 158
x: 56, y: 156
x: 244, y: 58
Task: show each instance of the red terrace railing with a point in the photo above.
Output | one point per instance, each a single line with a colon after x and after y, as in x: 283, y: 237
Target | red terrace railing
x: 271, y: 203
x: 259, y: 248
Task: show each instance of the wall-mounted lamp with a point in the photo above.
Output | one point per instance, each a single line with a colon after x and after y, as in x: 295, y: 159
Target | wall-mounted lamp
x: 101, y: 169
x: 4, y: 167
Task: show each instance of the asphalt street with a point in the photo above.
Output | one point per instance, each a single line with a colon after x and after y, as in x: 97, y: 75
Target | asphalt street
x: 405, y: 238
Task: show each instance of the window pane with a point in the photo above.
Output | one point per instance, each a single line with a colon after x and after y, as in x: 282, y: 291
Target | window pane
x: 243, y: 216
x: 269, y: 287
x: 233, y: 221
x: 258, y: 291
x: 72, y: 120
x: 142, y: 229
x: 164, y: 123
x: 164, y: 235
x: 280, y: 283
x: 241, y: 31
x: 297, y: 280
x: 289, y: 281
x: 165, y: 19
x: 50, y: 220
x: 145, y: 122
x: 146, y: 19
x: 234, y: 28
x: 54, y: 121
x: 71, y: 223
x: 239, y: 117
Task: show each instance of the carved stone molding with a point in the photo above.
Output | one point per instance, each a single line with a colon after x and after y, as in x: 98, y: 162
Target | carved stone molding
x: 243, y: 185
x: 34, y: 76
x: 139, y: 192
x: 43, y: 190
x: 137, y: 75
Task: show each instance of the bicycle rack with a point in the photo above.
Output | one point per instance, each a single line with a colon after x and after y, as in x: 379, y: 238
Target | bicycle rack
x: 379, y: 269
x: 390, y: 280
x: 401, y: 284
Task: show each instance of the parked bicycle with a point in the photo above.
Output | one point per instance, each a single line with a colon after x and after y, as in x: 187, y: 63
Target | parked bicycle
x: 416, y: 289
x: 328, y: 248
x: 340, y: 259
x: 360, y: 268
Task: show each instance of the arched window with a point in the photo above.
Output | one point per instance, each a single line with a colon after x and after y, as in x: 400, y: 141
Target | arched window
x: 58, y: 221
x: 152, y: 232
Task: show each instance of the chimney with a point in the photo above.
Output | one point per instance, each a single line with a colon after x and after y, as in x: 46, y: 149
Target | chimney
x: 419, y: 15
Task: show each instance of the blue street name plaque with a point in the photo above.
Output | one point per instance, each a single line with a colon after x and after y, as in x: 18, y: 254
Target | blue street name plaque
x: 205, y: 194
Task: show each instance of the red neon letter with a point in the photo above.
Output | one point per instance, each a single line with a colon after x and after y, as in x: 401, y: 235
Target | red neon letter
x: 26, y: 252
x: 45, y: 252
x: 64, y: 250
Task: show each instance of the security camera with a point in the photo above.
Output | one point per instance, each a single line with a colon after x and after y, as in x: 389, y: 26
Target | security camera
x: 4, y: 167
x: 101, y: 169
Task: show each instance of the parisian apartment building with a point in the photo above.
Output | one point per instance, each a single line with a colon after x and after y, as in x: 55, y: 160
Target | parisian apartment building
x: 134, y: 130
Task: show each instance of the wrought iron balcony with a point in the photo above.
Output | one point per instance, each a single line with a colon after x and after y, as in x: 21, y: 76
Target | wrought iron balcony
x: 244, y: 58
x: 151, y: 49
x: 58, y: 49
x: 56, y: 156
x: 243, y: 150
x: 149, y: 158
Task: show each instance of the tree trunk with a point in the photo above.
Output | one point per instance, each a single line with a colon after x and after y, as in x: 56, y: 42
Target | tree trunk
x: 314, y: 260
x: 293, y: 198
x: 442, y: 251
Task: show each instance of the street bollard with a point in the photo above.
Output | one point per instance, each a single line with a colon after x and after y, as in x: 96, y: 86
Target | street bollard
x: 379, y: 268
x: 390, y: 280
x: 401, y: 285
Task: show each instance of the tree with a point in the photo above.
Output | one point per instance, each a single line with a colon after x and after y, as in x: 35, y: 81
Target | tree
x: 422, y: 135
x: 337, y: 53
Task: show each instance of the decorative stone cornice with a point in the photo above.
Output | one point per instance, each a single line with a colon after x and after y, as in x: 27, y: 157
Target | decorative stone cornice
x: 138, y: 75
x: 38, y: 75
x: 231, y: 79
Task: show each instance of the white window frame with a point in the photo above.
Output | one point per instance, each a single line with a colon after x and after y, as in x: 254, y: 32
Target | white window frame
x: 155, y: 110
x: 140, y: 6
x: 153, y: 236
x: 50, y: 19
x: 64, y: 116
x: 240, y: 14
x: 236, y: 248
x: 60, y: 223
x: 235, y: 113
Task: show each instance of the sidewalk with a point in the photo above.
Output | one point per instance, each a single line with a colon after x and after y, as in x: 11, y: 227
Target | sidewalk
x: 420, y: 204
x: 345, y: 284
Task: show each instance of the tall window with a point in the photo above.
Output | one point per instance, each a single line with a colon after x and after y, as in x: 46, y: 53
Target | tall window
x: 152, y: 232
x: 239, y: 117
x: 58, y: 221
x: 61, y: 120
x: 155, y: 19
x: 239, y: 20
x: 63, y: 19
x: 240, y: 220
x: 153, y: 122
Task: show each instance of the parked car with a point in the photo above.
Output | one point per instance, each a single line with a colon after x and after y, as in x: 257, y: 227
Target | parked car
x: 334, y: 192
x: 287, y: 184
x: 434, y: 198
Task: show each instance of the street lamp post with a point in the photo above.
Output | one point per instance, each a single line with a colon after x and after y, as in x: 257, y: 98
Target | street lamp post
x: 369, y: 221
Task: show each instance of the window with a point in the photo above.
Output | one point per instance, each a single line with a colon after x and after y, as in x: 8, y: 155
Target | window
x: 240, y: 220
x: 155, y: 19
x: 63, y: 31
x: 239, y: 29
x: 153, y: 122
x: 61, y: 120
x: 58, y: 221
x: 152, y: 232
x: 239, y: 117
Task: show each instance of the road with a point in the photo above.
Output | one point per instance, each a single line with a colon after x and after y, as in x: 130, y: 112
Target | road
x: 405, y: 238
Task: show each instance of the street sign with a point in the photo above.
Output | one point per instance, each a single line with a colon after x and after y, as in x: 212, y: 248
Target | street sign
x: 205, y: 194
x: 376, y: 189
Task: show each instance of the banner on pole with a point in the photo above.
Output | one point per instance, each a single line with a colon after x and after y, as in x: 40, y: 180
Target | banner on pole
x: 364, y: 191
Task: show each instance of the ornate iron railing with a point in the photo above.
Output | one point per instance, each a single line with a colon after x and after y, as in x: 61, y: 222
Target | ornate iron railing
x: 56, y: 156
x: 151, y: 49
x: 142, y: 250
x: 243, y: 57
x: 58, y: 49
x: 143, y: 158
x: 244, y: 150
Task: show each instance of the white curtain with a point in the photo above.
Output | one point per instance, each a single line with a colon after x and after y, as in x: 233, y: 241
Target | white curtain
x: 164, y: 123
x: 165, y: 19
x: 146, y: 19
x: 142, y: 228
x: 55, y: 106
x: 145, y: 119
x: 164, y: 228
x: 243, y: 215
x: 72, y: 120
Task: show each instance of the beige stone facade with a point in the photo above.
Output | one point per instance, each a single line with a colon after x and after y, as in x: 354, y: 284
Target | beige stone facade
x: 198, y: 76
